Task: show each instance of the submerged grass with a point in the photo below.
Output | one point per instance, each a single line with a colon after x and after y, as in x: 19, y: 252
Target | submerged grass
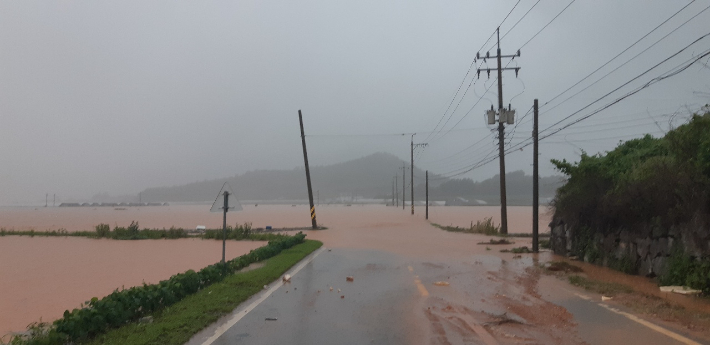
x: 179, y: 322
x: 133, y: 232
x: 604, y: 288
x: 485, y: 227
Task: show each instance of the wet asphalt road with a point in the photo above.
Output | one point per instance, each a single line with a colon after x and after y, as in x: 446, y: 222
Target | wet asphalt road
x: 382, y: 305
x: 488, y: 297
x: 307, y: 312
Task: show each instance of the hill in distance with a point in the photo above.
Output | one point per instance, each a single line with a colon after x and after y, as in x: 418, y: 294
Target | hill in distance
x: 369, y: 177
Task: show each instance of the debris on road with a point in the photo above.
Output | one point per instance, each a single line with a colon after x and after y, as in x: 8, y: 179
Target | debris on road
x: 338, y: 290
x: 683, y: 290
x: 287, y: 278
x: 501, y: 241
x: 441, y: 283
x: 271, y: 319
x: 605, y: 298
x: 349, y: 278
x: 563, y: 266
x: 341, y: 296
x: 519, y: 250
x: 331, y: 288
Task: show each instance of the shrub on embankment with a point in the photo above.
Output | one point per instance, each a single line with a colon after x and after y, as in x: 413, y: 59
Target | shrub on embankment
x: 128, y: 305
x: 643, y: 207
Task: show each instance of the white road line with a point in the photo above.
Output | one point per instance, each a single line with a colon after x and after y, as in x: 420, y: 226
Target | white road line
x: 641, y: 321
x: 652, y: 326
x: 275, y: 286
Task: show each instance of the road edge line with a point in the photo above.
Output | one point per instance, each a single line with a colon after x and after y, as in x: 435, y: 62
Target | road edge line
x: 640, y: 321
x: 240, y: 312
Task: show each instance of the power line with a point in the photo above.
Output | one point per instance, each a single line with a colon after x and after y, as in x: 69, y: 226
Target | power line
x: 521, y: 18
x: 466, y: 76
x: 550, y: 22
x: 630, y: 81
x: 673, y: 72
x: 622, y: 65
x: 622, y: 52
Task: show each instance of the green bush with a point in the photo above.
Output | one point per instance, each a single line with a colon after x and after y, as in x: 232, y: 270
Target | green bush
x: 103, y: 230
x: 644, y: 186
x: 684, y: 270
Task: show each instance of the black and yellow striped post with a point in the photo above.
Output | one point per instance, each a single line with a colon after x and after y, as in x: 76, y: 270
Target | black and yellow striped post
x: 308, y: 174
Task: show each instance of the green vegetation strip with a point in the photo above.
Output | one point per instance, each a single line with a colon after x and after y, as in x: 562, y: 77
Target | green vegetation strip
x: 98, y: 316
x: 485, y: 227
x: 177, y: 323
x: 133, y: 232
x: 604, y: 288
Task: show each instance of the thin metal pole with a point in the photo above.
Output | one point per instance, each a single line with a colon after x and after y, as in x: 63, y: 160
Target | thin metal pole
x: 314, y: 224
x: 396, y: 189
x: 224, y: 229
x: 427, y: 194
x: 536, y: 190
x: 501, y: 153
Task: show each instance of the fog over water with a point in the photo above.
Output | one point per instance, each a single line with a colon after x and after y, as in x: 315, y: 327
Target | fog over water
x: 117, y: 97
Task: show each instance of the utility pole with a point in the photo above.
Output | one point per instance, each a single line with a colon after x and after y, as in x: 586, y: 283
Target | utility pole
x: 314, y: 224
x: 396, y: 189
x: 224, y: 229
x: 46, y: 198
x: 412, y: 168
x: 392, y: 192
x: 54, y: 200
x: 536, y: 190
x: 404, y: 186
x: 503, y: 117
x: 427, y: 194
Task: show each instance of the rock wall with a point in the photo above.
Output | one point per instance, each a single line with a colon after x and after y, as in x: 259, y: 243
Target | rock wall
x: 644, y: 252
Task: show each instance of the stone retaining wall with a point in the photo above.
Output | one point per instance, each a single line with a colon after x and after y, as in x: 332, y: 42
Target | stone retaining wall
x: 647, y: 251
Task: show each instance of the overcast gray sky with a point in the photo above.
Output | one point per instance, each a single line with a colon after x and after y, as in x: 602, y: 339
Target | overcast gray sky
x: 115, y: 97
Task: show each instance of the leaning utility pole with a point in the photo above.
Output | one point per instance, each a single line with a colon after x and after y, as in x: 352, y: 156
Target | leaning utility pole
x: 308, y: 174
x: 503, y: 116
x: 536, y: 190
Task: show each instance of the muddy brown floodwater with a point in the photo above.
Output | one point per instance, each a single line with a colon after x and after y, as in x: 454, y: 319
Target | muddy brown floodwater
x: 42, y: 277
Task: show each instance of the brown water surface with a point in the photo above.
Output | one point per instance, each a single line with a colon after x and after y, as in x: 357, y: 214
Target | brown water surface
x: 40, y: 277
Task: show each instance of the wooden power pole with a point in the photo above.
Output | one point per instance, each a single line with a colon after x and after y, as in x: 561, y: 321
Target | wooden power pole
x: 396, y: 190
x: 504, y: 116
x: 308, y: 174
x: 404, y: 185
x: 536, y: 190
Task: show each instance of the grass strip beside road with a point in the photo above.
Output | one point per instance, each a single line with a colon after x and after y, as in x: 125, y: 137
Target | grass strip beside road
x: 178, y: 323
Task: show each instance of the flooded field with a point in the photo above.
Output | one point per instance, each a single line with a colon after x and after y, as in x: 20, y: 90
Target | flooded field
x: 41, y: 277
x: 278, y: 216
